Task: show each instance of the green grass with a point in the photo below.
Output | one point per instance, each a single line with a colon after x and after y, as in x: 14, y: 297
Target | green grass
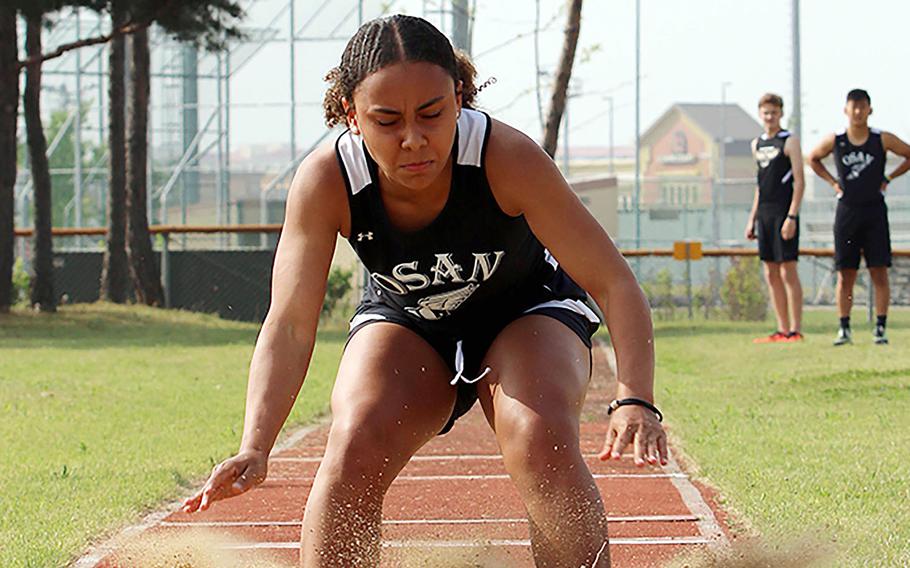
x: 802, y: 439
x: 109, y: 411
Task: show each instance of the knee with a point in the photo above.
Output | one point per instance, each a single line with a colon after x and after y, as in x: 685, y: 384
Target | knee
x: 879, y: 276
x: 790, y: 273
x: 535, y: 446
x: 772, y: 274
x: 359, y: 453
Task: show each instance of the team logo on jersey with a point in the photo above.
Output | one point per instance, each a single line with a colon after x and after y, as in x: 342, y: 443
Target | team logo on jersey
x: 438, y: 306
x: 407, y: 277
x: 765, y: 154
x: 857, y: 161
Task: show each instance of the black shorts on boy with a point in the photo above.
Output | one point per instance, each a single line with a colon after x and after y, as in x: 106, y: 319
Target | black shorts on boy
x: 771, y: 245
x: 861, y: 230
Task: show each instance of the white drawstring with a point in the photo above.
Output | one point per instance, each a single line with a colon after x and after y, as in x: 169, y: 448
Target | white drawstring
x: 459, y: 367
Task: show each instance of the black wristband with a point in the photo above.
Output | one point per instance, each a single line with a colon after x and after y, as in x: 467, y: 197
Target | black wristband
x: 635, y: 402
x: 792, y: 216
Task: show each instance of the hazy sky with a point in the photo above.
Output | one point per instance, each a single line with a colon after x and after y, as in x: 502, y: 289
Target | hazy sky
x: 688, y: 49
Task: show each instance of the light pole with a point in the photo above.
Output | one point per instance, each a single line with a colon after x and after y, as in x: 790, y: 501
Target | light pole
x: 796, y: 117
x: 572, y: 90
x: 636, y: 196
x: 722, y: 164
x: 609, y: 99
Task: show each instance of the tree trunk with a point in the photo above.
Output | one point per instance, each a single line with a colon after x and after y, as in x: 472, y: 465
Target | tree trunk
x: 143, y: 269
x: 42, y: 283
x: 9, y: 106
x: 115, y: 276
x: 561, y: 87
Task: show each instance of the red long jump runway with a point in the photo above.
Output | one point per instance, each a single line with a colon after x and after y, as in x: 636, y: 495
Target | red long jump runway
x: 454, y: 502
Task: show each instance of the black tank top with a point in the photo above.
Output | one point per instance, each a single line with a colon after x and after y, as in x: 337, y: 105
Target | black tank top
x: 471, y: 262
x: 860, y: 169
x: 775, y: 173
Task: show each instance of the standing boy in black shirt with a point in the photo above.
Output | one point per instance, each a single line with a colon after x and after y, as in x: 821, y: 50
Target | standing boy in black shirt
x: 861, y: 220
x: 774, y: 219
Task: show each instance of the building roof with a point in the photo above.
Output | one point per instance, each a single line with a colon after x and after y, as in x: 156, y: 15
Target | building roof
x: 712, y: 118
x: 739, y: 124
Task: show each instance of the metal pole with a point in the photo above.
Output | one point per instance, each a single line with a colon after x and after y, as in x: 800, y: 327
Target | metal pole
x: 689, y: 276
x: 721, y: 165
x: 796, y: 118
x: 219, y: 156
x: 565, y: 139
x: 612, y: 168
x: 460, y: 27
x: 636, y: 197
x: 359, y: 13
x: 166, y: 269
x: 226, y: 177
x: 189, y: 179
x: 77, y: 137
x: 149, y: 202
x: 293, y: 80
x: 871, y: 302
x: 103, y: 192
x: 263, y: 217
x: 101, y: 113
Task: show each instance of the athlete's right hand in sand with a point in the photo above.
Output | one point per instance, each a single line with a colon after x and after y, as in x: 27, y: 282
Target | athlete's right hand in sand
x: 230, y: 478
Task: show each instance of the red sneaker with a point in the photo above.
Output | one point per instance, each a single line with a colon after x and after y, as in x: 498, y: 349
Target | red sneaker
x: 776, y: 337
x: 794, y: 337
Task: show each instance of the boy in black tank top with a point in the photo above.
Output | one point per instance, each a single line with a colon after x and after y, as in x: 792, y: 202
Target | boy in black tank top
x: 774, y: 219
x: 861, y: 220
x: 479, y: 256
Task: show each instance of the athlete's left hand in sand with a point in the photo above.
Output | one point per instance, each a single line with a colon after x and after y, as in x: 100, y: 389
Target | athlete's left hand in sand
x: 230, y: 478
x: 638, y: 426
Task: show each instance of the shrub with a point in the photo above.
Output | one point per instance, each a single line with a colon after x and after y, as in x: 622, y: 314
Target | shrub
x: 21, y: 282
x: 659, y: 291
x: 743, y: 292
x: 337, y: 287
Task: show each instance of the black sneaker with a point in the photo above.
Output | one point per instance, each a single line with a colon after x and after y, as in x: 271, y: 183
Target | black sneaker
x: 844, y: 336
x: 879, y: 335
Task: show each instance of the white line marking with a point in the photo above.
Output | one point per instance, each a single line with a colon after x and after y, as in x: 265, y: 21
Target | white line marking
x: 480, y: 477
x: 616, y: 519
x: 419, y: 458
x: 692, y: 497
x: 96, y: 553
x: 632, y: 541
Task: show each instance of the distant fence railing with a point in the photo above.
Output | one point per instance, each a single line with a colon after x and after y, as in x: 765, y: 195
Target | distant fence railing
x: 202, y: 275
x: 276, y: 228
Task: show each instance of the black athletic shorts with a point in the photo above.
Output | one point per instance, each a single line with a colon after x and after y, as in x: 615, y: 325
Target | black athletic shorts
x: 771, y: 246
x: 464, y: 354
x: 861, y: 229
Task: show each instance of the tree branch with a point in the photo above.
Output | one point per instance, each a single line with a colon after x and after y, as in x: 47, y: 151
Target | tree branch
x: 63, y: 48
x: 125, y: 29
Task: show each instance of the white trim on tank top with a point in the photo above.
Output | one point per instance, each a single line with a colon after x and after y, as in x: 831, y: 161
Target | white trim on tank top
x: 472, y: 127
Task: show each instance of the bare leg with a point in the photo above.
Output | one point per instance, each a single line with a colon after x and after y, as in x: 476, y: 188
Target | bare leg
x: 533, y: 400
x: 846, y: 278
x: 790, y: 277
x: 778, y: 294
x: 879, y: 275
x: 391, y: 396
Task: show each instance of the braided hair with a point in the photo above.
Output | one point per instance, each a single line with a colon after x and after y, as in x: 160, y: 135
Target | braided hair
x: 386, y: 41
